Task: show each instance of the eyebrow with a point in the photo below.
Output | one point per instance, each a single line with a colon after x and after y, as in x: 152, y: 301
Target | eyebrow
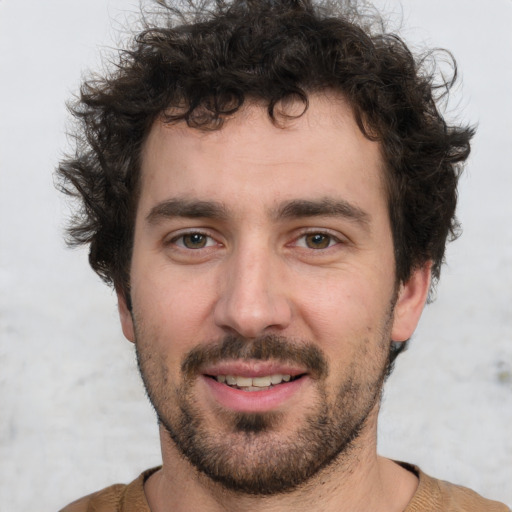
x: 325, y: 207
x: 295, y: 209
x: 186, y: 208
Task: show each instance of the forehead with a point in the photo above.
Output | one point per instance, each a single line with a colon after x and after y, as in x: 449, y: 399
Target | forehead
x: 251, y: 160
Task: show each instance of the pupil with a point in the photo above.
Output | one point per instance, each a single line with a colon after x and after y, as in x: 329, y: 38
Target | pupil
x: 318, y: 241
x: 194, y: 241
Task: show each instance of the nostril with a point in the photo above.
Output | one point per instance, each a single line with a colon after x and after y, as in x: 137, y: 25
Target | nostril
x: 252, y: 320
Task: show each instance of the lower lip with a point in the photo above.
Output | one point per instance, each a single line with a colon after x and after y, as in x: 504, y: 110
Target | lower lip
x: 253, y: 401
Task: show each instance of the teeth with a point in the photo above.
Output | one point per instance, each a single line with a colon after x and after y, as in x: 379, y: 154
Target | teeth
x: 253, y: 384
x: 243, y: 382
x: 262, y: 382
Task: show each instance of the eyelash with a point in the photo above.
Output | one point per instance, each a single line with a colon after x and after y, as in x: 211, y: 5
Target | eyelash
x: 175, y: 240
x: 332, y: 240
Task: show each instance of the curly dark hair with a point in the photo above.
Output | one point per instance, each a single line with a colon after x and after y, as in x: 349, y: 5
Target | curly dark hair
x: 218, y: 55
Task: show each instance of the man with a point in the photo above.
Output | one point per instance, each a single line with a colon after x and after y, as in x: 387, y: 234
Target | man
x: 269, y: 187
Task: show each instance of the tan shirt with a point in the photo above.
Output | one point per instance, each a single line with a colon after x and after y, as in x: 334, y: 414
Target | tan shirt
x: 431, y: 496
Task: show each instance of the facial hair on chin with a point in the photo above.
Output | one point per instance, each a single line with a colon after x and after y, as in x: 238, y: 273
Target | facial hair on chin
x: 252, y: 457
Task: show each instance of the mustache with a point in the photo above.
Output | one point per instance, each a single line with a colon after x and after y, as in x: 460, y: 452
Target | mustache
x: 264, y: 348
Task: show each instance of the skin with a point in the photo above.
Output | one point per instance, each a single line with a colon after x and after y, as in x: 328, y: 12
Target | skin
x: 263, y: 272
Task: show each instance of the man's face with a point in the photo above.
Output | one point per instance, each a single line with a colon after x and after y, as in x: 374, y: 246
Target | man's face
x: 263, y: 291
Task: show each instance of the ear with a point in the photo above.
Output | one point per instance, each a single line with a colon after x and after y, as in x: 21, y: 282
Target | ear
x: 412, y: 296
x: 125, y: 316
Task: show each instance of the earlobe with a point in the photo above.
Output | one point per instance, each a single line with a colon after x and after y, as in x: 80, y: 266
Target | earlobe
x: 125, y: 316
x: 412, y: 296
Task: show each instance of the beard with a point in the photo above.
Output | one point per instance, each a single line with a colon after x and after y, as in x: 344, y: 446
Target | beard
x: 248, y: 453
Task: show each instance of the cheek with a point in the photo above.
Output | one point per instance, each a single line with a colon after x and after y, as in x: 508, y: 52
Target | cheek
x: 174, y: 307
x: 338, y: 306
x: 345, y: 316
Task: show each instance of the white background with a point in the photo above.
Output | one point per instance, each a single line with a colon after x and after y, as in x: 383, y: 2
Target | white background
x: 73, y: 417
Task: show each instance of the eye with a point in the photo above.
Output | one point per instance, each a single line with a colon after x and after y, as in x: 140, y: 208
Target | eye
x: 317, y: 241
x: 195, y: 240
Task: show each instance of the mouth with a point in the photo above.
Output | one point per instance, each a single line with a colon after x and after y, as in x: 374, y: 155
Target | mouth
x: 254, y: 386
x: 261, y: 383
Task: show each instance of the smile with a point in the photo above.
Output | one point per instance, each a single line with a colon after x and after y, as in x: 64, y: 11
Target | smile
x: 263, y: 391
x: 253, y: 383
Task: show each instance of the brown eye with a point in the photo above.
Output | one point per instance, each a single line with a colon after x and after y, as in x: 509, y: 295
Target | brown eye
x: 194, y: 241
x: 317, y: 240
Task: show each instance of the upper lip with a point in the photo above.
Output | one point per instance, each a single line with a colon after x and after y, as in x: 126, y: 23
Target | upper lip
x: 252, y: 368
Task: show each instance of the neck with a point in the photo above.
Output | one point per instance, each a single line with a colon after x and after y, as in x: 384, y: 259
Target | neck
x: 357, y: 481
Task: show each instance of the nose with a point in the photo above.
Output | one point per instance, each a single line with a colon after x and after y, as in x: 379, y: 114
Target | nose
x: 253, y: 299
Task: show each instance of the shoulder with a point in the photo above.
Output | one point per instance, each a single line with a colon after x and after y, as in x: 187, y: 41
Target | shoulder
x: 106, y: 500
x: 116, y: 498
x: 433, y: 494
